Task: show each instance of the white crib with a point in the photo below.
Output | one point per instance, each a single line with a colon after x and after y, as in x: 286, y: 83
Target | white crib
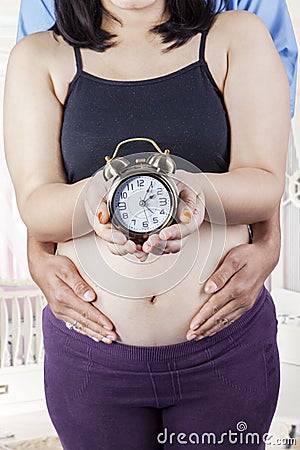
x: 21, y: 347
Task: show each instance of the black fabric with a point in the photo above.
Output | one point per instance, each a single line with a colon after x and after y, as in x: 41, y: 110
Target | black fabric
x: 183, y: 111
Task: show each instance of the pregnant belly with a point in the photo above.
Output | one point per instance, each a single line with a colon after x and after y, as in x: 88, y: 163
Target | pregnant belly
x: 151, y: 303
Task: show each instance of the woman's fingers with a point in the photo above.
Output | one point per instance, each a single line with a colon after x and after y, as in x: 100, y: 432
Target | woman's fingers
x: 187, y: 203
x: 118, y: 249
x: 190, y: 213
x: 117, y: 242
x: 190, y: 220
x: 154, y: 245
x: 102, y: 213
x: 158, y: 246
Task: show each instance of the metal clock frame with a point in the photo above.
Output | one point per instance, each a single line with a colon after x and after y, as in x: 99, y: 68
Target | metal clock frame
x: 141, y: 169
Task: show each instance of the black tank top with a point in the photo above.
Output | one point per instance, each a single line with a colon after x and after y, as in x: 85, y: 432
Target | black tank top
x: 183, y: 111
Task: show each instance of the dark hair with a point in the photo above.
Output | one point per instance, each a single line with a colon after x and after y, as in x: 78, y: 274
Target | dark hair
x: 79, y: 22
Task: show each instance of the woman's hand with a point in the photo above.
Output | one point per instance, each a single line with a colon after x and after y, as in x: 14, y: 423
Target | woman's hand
x: 235, y: 286
x: 67, y: 294
x: 190, y: 214
x: 98, y: 216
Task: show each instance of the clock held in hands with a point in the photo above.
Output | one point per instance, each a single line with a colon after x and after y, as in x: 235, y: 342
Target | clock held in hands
x: 142, y: 198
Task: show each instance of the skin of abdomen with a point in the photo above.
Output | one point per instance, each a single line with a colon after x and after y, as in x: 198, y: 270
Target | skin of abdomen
x: 159, y: 313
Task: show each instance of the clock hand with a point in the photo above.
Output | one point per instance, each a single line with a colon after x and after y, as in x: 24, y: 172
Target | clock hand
x: 145, y: 214
x: 151, y: 197
x: 147, y: 191
x: 149, y: 209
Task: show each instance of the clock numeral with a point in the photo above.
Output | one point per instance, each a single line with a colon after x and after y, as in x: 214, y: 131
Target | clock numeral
x: 140, y: 183
x: 121, y: 206
x: 162, y: 211
x: 130, y: 186
x: 155, y: 219
x: 123, y: 195
x: 159, y: 191
x: 134, y: 221
x: 125, y: 216
x: 145, y: 224
x: 163, y: 201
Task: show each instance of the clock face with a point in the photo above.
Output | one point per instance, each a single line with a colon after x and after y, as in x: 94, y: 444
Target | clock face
x: 142, y: 204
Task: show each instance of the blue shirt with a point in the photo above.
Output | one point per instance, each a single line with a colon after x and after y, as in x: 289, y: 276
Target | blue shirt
x: 38, y: 15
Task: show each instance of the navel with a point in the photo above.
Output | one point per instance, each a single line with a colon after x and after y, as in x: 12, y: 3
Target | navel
x: 153, y: 299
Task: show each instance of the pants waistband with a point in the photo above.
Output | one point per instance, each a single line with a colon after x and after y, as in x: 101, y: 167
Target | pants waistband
x: 164, y: 352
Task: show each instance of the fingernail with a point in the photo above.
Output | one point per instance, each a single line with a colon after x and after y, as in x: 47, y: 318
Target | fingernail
x: 210, y: 287
x: 132, y: 245
x: 167, y: 235
x: 194, y: 328
x: 200, y: 336
x: 108, y: 336
x: 187, y: 214
x: 95, y: 339
x: 100, y: 214
x: 106, y: 339
x: 147, y: 246
x: 107, y: 327
x: 89, y: 295
x: 191, y: 337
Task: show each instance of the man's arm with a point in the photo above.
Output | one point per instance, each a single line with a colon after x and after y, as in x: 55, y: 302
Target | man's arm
x: 276, y: 17
x: 246, y: 267
x: 68, y: 295
x: 34, y: 16
x: 237, y: 282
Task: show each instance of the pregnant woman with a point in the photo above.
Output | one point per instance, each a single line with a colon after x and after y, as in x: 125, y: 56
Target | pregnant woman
x: 112, y: 70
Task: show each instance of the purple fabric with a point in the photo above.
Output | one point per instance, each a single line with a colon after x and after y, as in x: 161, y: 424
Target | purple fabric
x: 123, y: 397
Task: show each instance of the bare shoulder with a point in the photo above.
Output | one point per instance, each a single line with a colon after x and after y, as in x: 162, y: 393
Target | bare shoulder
x: 241, y: 28
x: 41, y: 57
x: 37, y: 45
x: 242, y: 21
x: 38, y: 50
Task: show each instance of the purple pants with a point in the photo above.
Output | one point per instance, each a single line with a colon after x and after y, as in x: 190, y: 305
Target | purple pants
x: 217, y: 393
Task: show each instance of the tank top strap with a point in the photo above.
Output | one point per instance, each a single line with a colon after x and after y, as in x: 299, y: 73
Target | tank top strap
x: 78, y: 59
x: 202, y: 45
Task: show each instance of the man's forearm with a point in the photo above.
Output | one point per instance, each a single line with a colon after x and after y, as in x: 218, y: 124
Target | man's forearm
x: 37, y: 249
x: 268, y: 232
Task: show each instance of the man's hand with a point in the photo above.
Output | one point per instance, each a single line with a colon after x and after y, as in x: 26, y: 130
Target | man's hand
x: 235, y: 286
x: 68, y: 295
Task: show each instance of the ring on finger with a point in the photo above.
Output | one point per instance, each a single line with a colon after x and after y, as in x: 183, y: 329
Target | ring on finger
x: 77, y: 326
x: 225, y: 321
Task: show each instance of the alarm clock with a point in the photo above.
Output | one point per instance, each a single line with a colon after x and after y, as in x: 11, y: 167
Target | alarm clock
x: 142, y: 199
